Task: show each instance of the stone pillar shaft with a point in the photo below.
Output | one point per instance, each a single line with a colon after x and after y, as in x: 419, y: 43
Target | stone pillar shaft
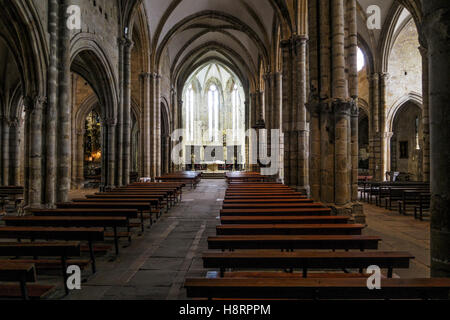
x: 122, y: 43
x: 157, y: 127
x: 5, y: 152
x: 52, y: 106
x: 14, y: 143
x: 111, y: 153
x: 146, y: 128
x: 34, y: 177
x: 425, y: 115
x: 436, y: 27
x: 340, y: 87
x: 64, y: 108
x: 126, y: 125
x: 383, y: 142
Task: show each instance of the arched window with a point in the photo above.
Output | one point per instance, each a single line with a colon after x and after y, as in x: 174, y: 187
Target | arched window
x: 213, y: 113
x: 190, y: 113
x: 361, y: 60
x: 236, y: 102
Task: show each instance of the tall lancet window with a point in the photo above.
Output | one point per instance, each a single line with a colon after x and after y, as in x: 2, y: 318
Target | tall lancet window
x: 190, y: 114
x: 213, y: 113
x: 236, y: 102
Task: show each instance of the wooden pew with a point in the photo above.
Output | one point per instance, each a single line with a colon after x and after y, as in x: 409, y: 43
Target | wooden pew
x: 90, y: 235
x: 72, y: 221
x: 63, y: 250
x: 153, y: 203
x: 424, y: 204
x: 306, y: 260
x: 290, y: 229
x: 164, y: 198
x: 301, y: 205
x: 18, y: 272
x: 89, y: 212
x: 262, y: 197
x: 283, y: 242
x: 317, y: 289
x: 34, y: 291
x: 284, y: 219
x: 136, y: 205
x: 270, y: 201
x: 412, y: 198
x: 316, y: 211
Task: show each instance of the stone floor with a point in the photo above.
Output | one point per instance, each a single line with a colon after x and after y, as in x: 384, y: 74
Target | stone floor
x: 155, y: 265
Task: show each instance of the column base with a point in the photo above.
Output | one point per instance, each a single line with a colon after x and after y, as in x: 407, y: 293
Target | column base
x: 306, y: 190
x: 353, y: 210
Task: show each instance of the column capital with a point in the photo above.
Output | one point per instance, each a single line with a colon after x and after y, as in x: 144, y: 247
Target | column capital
x: 423, y: 51
x: 145, y: 75
x: 388, y: 135
x: 324, y: 107
x: 313, y: 106
x: 384, y: 76
x: 14, y: 122
x: 155, y: 76
x: 299, y: 39
x: 341, y: 107
x: 34, y: 103
x: 354, y: 109
x: 375, y: 76
x: 110, y: 122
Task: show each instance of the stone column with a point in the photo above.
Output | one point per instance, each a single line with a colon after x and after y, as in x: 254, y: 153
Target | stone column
x: 5, y: 151
x: 425, y: 115
x: 52, y: 106
x: 79, y: 160
x: 34, y: 110
x: 436, y: 30
x: 111, y: 125
x: 152, y: 125
x: 126, y: 126
x: 146, y: 128
x: 388, y: 137
x: 301, y: 125
x: 247, y: 126
x: 384, y: 160
x: 353, y: 91
x: 157, y: 126
x: 287, y: 108
x: 354, y: 151
x: 64, y: 108
x: 341, y: 108
x: 122, y: 43
x: 14, y: 143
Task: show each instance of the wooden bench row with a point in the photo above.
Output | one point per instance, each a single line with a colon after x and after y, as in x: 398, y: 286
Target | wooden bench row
x: 278, y: 232
x: 81, y: 220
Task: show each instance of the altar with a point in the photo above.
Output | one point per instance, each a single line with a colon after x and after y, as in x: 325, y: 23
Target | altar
x: 214, y: 166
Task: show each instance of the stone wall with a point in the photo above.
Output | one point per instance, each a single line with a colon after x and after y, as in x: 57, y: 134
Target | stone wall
x: 405, y: 66
x: 405, y: 132
x: 99, y: 18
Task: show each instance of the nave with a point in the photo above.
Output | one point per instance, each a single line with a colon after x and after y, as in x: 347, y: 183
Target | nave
x: 155, y: 265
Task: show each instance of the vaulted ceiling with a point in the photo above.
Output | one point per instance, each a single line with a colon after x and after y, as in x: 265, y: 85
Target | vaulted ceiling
x: 236, y: 32
x: 240, y: 33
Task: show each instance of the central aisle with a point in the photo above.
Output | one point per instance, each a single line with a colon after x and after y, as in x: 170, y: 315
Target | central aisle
x: 156, y: 264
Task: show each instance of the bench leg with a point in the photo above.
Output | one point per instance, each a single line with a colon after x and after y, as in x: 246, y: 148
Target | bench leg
x: 116, y: 240
x: 390, y: 272
x: 91, y: 252
x: 64, y: 273
x: 142, y: 219
x: 23, y: 288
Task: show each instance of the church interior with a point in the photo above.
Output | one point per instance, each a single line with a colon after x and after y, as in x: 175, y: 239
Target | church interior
x: 224, y: 149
